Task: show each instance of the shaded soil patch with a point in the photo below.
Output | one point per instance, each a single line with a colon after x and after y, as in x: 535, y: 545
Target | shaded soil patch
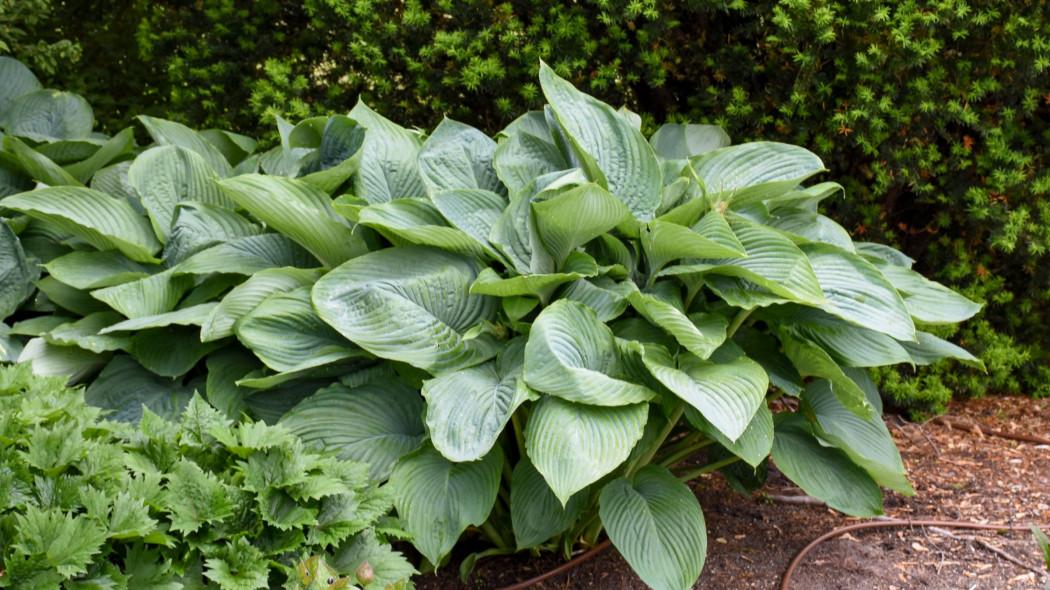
x: 958, y: 474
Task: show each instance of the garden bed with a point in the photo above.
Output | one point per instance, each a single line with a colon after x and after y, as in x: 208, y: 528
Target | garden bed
x: 958, y: 475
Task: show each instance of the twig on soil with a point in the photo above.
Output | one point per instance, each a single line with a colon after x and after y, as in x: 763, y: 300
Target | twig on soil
x: 996, y: 550
x: 951, y: 423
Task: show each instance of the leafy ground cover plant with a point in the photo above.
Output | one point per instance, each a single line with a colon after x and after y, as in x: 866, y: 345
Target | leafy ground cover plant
x: 88, y: 502
x: 531, y: 337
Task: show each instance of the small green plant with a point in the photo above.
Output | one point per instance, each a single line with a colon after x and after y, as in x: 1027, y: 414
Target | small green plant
x: 1044, y: 546
x: 198, y: 503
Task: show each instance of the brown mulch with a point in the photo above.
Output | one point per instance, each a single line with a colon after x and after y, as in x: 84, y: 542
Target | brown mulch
x: 960, y: 474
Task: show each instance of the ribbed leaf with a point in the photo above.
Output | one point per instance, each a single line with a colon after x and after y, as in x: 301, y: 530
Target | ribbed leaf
x: 10, y: 345
x: 626, y: 160
x: 409, y: 304
x: 931, y: 349
x: 753, y: 445
x: 116, y: 146
x: 606, y: 297
x: 524, y: 156
x: 847, y: 344
x: 171, y: 133
x: 189, y: 316
x: 199, y: 226
x: 15, y: 276
x: 13, y: 179
x: 124, y: 387
x: 753, y: 172
x: 245, y: 297
x: 248, y: 255
x: 287, y: 335
x: 663, y: 242
x: 656, y: 523
x: 170, y: 351
x: 578, y: 266
x: 36, y: 165
x: 811, y: 226
x: 438, y: 499
x: 376, y: 423
x: 417, y: 221
x: 47, y: 115
x: 150, y: 296
x: 574, y: 217
x: 700, y: 337
x: 825, y: 473
x: 535, y: 512
x: 575, y: 445
x: 225, y: 367
x: 473, y: 211
x: 99, y: 219
x: 881, y: 252
x: 765, y: 350
x: 388, y: 161
x: 866, y: 442
x: 679, y: 141
x: 858, y: 293
x: 15, y: 80
x: 78, y: 301
x: 927, y: 301
x: 572, y: 355
x: 50, y: 360
x: 233, y: 146
x: 458, y: 156
x: 300, y: 212
x: 467, y: 409
x: 165, y: 176
x: 727, y: 394
x: 813, y: 361
x: 86, y: 333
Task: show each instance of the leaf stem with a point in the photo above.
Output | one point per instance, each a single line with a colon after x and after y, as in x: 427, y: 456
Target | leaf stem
x: 519, y: 432
x: 685, y: 453
x: 590, y: 536
x: 493, y: 535
x: 738, y: 321
x: 691, y: 475
x: 647, y: 456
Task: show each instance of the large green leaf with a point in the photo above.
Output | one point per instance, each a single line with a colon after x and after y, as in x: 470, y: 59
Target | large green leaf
x: 13, y: 179
x: 765, y: 349
x: 576, y: 216
x: 188, y: 316
x: 10, y: 345
x: 300, y: 212
x: 417, y: 221
x: 811, y: 226
x: 166, y: 132
x: 36, y: 165
x: 866, y: 442
x: 388, y: 161
x: 824, y: 472
x: 656, y: 523
x: 847, y: 344
x: 753, y: 445
x: 150, y: 296
x: 375, y: 423
x: 409, y: 304
x: 572, y: 355
x: 473, y: 211
x: 165, y: 176
x: 813, y: 361
x: 931, y: 349
x: 700, y: 334
x: 468, y: 409
x: 246, y: 256
x: 605, y: 296
x: 524, y: 156
x: 664, y: 241
x: 170, y: 351
x: 225, y: 367
x: 536, y: 514
x: 927, y: 301
x: 679, y: 141
x: 754, y: 172
x: 47, y: 115
x: 78, y: 301
x: 124, y: 387
x: 16, y: 280
x: 575, y: 445
x: 287, y: 335
x: 438, y: 499
x: 15, y: 80
x: 858, y: 293
x: 87, y: 333
x: 198, y: 226
x: 245, y: 297
x: 104, y: 222
x: 578, y: 266
x: 625, y: 158
x: 116, y: 146
x: 727, y: 394
x: 51, y: 359
x: 458, y: 156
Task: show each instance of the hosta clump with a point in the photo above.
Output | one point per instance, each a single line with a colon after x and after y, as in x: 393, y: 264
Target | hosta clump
x: 198, y: 503
x: 587, y: 309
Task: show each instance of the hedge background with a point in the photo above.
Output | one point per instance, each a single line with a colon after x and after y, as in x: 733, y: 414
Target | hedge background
x: 935, y: 114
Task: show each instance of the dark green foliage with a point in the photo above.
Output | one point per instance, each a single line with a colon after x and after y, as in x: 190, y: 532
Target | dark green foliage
x: 163, y: 504
x: 24, y: 35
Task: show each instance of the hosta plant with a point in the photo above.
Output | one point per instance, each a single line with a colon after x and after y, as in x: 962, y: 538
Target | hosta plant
x: 200, y: 503
x: 538, y: 338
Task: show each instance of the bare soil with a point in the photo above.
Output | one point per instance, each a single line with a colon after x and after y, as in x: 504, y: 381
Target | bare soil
x: 958, y: 474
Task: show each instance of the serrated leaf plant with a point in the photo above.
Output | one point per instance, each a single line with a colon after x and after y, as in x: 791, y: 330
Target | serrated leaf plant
x: 537, y: 338
x: 201, y: 503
